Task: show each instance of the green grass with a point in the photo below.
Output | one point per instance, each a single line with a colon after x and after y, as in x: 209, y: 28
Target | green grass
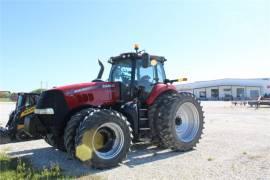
x: 19, y: 169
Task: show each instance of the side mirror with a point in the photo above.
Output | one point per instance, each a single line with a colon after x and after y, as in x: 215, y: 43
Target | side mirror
x: 146, y: 60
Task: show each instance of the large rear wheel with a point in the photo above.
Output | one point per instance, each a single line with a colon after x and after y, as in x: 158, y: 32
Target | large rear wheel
x: 103, y: 139
x: 154, y: 111
x: 180, y: 122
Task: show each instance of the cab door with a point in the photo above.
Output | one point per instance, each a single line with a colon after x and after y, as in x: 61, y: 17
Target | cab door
x: 147, y: 77
x: 122, y: 72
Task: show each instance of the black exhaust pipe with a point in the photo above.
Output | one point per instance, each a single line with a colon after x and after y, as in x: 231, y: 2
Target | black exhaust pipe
x: 100, y: 72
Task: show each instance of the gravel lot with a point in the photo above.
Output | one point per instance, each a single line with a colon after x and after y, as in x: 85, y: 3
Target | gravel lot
x: 235, y: 145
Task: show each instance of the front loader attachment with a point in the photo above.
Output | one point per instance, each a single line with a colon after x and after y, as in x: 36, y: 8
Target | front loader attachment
x: 14, y: 130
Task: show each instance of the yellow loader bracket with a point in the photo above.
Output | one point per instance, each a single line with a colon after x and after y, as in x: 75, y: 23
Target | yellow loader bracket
x: 27, y: 111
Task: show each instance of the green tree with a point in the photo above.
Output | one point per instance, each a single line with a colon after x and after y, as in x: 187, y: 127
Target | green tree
x: 5, y: 94
x: 38, y: 90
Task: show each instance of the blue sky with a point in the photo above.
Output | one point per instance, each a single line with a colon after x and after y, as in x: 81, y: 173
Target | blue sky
x: 59, y: 42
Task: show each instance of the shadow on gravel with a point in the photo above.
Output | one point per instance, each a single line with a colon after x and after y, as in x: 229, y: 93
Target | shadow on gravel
x: 146, y: 153
x: 260, y: 107
x: 264, y: 107
x: 45, y: 157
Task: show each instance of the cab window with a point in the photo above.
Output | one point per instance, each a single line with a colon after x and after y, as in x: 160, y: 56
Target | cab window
x: 121, y: 71
x: 160, y: 72
x: 144, y: 76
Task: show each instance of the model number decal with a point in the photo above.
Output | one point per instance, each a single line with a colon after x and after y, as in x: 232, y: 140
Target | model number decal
x: 84, y: 89
x: 108, y: 85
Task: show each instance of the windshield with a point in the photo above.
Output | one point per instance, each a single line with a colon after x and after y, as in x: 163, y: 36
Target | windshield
x: 26, y: 100
x: 20, y: 101
x: 154, y: 74
x: 121, y: 71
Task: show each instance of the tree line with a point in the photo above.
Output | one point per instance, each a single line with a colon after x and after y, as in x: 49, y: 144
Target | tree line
x: 12, y: 96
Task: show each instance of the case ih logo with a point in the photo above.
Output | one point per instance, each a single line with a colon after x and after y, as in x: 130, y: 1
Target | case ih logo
x: 80, y: 90
x: 89, y: 88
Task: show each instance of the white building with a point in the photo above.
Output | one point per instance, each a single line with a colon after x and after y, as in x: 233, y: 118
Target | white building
x: 227, y: 89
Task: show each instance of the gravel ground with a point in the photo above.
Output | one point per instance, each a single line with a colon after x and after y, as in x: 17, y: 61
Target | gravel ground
x: 235, y: 145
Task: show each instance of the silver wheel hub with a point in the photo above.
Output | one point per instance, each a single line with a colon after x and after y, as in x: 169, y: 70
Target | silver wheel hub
x: 113, y: 140
x: 187, y: 122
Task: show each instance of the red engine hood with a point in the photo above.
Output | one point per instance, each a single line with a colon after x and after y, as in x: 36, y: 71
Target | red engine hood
x: 91, y: 93
x: 79, y: 86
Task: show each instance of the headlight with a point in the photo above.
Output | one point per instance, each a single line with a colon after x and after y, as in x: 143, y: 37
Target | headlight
x: 44, y: 111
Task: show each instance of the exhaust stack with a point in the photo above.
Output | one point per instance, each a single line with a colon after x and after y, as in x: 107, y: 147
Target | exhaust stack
x: 100, y: 71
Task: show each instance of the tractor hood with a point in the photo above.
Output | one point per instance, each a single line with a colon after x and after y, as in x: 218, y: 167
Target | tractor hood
x: 56, y: 104
x: 74, y: 88
x: 80, y: 95
x: 92, y: 93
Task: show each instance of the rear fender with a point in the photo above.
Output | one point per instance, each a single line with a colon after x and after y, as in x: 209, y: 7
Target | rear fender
x: 158, y: 90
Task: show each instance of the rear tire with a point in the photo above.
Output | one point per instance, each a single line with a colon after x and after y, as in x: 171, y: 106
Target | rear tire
x: 103, y: 139
x: 180, y: 122
x: 70, y: 130
x: 153, y: 113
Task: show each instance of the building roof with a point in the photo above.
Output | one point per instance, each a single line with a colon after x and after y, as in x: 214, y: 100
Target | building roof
x: 260, y: 82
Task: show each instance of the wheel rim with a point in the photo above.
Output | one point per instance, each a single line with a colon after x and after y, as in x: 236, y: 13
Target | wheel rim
x: 112, y: 140
x: 187, y: 122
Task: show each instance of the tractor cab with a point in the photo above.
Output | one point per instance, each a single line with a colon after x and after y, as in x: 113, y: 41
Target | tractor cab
x: 25, y: 100
x: 24, y: 107
x: 138, y: 73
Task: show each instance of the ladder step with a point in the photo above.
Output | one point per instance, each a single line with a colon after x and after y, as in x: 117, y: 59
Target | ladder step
x: 143, y: 119
x: 143, y: 114
x: 144, y: 129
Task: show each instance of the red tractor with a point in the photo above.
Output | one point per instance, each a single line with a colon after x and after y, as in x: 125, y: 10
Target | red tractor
x: 97, y: 122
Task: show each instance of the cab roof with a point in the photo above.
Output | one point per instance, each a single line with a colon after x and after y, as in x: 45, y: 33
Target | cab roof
x: 134, y: 56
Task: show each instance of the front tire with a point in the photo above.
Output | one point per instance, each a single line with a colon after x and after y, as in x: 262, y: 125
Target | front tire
x: 103, y: 139
x: 71, y: 127
x: 180, y: 122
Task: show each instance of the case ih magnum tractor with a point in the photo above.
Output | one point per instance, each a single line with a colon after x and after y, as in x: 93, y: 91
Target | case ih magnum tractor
x: 97, y: 122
